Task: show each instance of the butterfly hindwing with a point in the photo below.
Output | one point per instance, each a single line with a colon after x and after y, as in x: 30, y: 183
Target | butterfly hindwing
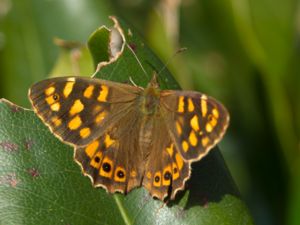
x: 114, y: 160
x: 196, y: 122
x: 76, y: 109
x: 125, y: 157
x: 165, y: 170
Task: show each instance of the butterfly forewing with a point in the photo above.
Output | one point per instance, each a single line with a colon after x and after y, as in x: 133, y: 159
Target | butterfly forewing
x: 196, y: 122
x: 78, y: 110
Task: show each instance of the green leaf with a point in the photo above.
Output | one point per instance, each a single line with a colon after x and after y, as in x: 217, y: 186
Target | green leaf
x: 99, y: 45
x: 41, y: 184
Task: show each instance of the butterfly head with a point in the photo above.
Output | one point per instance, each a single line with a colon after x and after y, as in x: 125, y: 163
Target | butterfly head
x: 151, y: 96
x: 154, y: 82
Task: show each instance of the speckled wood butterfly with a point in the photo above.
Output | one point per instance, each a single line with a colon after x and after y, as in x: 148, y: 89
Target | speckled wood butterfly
x: 127, y: 136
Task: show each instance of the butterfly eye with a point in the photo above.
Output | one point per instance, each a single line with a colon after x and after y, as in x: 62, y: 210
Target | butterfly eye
x: 55, y: 97
x: 120, y: 174
x: 157, y: 179
x: 106, y: 167
x: 175, y: 170
x: 97, y: 159
x: 167, y: 175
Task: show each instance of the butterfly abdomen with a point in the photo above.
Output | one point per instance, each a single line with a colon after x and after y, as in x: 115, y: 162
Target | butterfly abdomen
x: 145, y: 136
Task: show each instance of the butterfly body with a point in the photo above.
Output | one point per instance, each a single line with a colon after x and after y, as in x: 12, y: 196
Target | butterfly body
x: 127, y: 136
x: 150, y: 98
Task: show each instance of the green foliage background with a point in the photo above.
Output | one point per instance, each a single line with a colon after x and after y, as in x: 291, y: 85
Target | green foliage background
x: 243, y: 52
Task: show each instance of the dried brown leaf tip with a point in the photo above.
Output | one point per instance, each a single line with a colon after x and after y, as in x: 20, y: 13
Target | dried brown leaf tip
x: 69, y: 45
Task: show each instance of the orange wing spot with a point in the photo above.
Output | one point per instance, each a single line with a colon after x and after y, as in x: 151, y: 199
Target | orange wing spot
x: 179, y: 161
x: 167, y: 182
x: 178, y: 128
x: 55, y: 107
x: 185, y: 146
x: 120, y: 174
x: 191, y: 106
x: 147, y: 186
x: 108, y: 141
x: 106, y: 169
x: 100, y: 117
x: 88, y: 92
x: 209, y: 127
x: 133, y: 173
x: 204, y: 105
x: 91, y: 148
x: 213, y: 121
x: 96, y: 161
x: 180, y: 104
x: 50, y: 100
x: 96, y: 109
x: 193, y: 138
x: 175, y: 171
x: 205, y: 141
x: 149, y: 175
x: 56, y: 121
x: 77, y: 107
x: 75, y: 123
x: 103, y: 94
x: 194, y: 122
x: 170, y: 149
x: 68, y: 88
x: 85, y: 132
x: 157, y: 179
x: 50, y: 90
x: 215, y: 113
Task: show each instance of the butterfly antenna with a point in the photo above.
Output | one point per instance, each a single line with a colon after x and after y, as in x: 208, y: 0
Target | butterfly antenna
x: 134, y: 84
x: 137, y: 59
x: 171, y: 58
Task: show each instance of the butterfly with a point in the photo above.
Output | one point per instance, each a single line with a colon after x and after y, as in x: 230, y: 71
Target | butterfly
x: 126, y: 136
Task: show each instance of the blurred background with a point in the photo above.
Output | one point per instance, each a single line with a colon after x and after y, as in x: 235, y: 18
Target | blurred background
x: 245, y: 53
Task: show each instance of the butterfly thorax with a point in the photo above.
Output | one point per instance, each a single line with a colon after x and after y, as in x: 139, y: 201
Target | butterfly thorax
x: 149, y: 101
